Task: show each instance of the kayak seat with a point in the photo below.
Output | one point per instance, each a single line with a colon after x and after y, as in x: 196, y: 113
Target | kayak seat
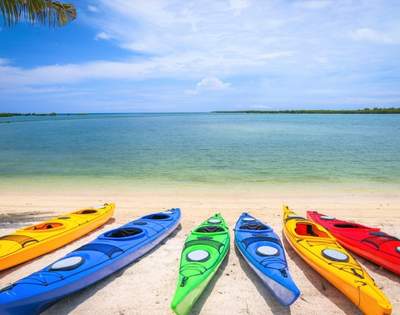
x: 157, y: 216
x: 307, y: 229
x: 250, y: 240
x: 254, y: 226
x: 86, y: 211
x: 209, y: 229
x: 301, y: 229
x: 20, y: 239
x: 347, y: 226
x: 45, y: 226
x: 106, y: 249
x: 310, y: 231
x: 123, y: 232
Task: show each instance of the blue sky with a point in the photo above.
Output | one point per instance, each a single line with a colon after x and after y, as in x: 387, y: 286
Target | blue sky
x: 150, y: 56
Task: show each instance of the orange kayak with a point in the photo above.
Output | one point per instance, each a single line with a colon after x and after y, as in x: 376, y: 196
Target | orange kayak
x: 36, y: 240
x: 324, y: 254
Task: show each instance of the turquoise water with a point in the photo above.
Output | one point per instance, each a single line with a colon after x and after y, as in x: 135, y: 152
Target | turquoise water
x: 207, y: 148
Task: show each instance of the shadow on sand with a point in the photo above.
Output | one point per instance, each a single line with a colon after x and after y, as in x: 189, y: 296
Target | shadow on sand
x: 322, y: 285
x: 68, y: 304
x: 16, y: 220
x: 273, y: 304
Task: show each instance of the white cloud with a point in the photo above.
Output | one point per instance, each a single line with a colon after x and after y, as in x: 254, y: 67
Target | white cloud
x: 102, y: 36
x: 165, y: 27
x: 209, y: 84
x: 92, y: 8
x: 193, y: 40
x: 182, y: 66
x: 212, y: 83
x: 373, y: 36
x: 270, y: 51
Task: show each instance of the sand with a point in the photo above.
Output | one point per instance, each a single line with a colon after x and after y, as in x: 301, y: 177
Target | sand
x: 146, y: 287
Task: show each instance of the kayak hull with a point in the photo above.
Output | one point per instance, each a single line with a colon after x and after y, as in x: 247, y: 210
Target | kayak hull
x: 368, y: 242
x: 251, y: 234
x: 26, y: 244
x: 313, y: 243
x: 186, y: 304
x: 101, y: 258
x: 204, y: 251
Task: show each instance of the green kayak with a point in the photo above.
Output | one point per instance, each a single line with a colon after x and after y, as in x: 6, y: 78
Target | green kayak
x: 204, y: 250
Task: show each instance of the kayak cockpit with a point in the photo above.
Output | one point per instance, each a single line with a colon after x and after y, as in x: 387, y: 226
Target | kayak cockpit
x: 86, y: 211
x: 309, y: 229
x: 121, y: 233
x: 157, y: 216
x: 254, y: 226
x: 210, y: 229
x: 45, y: 226
x: 348, y: 226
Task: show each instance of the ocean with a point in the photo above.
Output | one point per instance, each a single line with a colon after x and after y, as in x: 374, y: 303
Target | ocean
x: 202, y: 148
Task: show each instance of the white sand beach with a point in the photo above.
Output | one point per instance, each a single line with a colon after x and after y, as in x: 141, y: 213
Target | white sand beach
x: 146, y: 287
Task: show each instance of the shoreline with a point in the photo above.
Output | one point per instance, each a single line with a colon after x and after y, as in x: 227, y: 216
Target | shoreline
x: 235, y: 289
x: 108, y: 183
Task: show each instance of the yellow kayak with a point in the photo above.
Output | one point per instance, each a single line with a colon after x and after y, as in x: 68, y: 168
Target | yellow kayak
x: 324, y: 254
x: 36, y: 240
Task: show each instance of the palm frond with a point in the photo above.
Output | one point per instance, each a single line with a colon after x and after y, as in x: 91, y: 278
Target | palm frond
x: 52, y: 13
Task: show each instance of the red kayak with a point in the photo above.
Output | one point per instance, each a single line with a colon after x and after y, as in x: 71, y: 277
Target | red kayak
x: 370, y: 243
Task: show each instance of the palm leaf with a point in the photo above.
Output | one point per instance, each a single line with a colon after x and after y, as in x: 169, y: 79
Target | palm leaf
x: 52, y: 13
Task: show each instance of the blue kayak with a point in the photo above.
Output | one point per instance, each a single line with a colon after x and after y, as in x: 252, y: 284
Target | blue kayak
x: 88, y: 264
x: 263, y: 251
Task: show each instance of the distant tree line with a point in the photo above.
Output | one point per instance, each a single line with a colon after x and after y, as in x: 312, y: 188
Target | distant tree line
x: 375, y: 110
x: 25, y: 114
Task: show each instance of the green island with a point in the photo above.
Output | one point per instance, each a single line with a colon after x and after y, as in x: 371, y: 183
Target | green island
x: 36, y: 114
x: 26, y: 114
x: 375, y: 110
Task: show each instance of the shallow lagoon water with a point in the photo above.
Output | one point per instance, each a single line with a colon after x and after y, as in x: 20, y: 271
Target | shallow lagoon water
x: 202, y: 148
